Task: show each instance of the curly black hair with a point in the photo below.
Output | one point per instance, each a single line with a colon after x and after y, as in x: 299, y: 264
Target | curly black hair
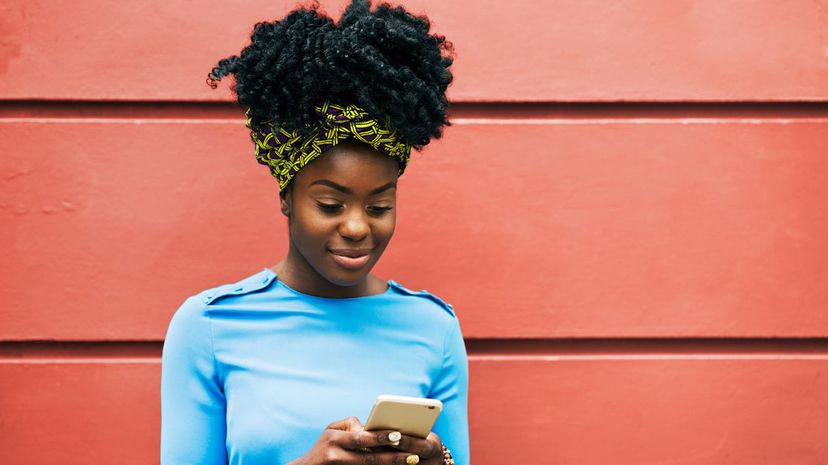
x: 383, y: 60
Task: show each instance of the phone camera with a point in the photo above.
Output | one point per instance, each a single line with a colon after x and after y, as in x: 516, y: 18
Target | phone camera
x: 431, y: 407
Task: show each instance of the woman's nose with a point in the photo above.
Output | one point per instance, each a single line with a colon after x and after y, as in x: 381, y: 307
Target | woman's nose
x: 354, y: 226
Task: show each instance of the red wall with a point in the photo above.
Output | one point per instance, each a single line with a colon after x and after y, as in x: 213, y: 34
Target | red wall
x: 628, y: 214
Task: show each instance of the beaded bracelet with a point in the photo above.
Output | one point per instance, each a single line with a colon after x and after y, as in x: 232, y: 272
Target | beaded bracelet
x: 447, y: 458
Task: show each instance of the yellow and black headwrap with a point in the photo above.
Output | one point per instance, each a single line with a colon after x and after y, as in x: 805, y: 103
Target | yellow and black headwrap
x: 287, y: 152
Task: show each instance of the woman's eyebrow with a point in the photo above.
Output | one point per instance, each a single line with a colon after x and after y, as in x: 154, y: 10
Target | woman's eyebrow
x: 347, y: 190
x: 392, y: 184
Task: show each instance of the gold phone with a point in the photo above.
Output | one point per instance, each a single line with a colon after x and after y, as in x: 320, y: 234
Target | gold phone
x: 414, y: 416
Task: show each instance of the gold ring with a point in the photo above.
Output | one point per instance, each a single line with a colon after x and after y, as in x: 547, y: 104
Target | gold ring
x: 412, y: 459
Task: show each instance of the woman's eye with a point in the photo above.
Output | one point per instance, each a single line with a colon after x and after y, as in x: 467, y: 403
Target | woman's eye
x: 329, y: 207
x: 378, y: 210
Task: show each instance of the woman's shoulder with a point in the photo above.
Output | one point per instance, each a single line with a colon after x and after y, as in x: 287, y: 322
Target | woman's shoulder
x: 197, y: 305
x: 424, y: 297
x: 252, y: 283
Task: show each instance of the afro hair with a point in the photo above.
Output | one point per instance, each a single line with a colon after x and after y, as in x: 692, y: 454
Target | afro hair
x: 384, y: 60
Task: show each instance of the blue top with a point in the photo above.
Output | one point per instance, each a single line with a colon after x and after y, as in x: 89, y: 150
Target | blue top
x: 253, y: 372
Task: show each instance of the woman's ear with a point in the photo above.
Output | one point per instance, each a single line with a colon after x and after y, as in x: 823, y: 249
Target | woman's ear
x: 284, y: 202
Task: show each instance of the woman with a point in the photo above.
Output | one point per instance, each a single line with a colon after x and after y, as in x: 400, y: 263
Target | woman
x: 279, y: 367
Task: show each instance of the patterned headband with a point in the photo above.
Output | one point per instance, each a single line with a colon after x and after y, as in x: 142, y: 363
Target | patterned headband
x: 287, y: 152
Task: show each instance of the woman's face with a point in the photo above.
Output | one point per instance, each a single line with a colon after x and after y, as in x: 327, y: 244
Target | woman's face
x: 341, y: 210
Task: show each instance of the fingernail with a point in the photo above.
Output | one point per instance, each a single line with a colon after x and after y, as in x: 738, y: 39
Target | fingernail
x: 395, y: 443
x: 412, y: 459
x: 394, y: 436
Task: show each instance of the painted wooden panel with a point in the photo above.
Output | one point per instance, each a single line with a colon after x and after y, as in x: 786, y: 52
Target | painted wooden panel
x: 561, y: 410
x: 581, y: 228
x: 80, y: 413
x: 561, y: 50
x: 692, y: 411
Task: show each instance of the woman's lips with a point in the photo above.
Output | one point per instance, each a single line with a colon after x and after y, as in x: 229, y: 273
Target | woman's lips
x: 350, y: 259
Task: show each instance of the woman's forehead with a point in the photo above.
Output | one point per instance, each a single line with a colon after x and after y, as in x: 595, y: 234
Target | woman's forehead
x: 355, y: 166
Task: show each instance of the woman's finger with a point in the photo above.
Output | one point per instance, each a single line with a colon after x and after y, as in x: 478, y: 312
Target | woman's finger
x: 346, y: 424
x: 364, y: 440
x: 390, y: 458
x: 425, y: 448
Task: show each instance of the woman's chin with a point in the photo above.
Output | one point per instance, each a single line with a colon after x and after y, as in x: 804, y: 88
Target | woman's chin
x: 347, y: 279
x: 346, y: 272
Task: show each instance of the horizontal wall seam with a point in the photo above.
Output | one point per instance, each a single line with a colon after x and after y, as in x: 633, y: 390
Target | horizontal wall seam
x: 478, y: 349
x: 456, y: 121
x: 57, y: 109
x: 472, y: 358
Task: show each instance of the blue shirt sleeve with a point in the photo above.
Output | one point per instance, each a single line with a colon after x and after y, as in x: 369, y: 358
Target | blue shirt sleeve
x: 192, y: 399
x: 451, y: 388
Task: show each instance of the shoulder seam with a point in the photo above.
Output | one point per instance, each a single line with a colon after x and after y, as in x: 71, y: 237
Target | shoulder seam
x: 424, y: 293
x: 243, y: 286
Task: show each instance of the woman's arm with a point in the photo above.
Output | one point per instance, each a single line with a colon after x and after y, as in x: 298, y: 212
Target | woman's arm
x: 192, y: 399
x: 451, y: 387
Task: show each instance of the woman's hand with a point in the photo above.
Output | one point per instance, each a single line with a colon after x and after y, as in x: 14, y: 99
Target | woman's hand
x: 345, y: 442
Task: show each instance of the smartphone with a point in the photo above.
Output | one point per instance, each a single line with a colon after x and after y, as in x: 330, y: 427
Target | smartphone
x: 414, y: 416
